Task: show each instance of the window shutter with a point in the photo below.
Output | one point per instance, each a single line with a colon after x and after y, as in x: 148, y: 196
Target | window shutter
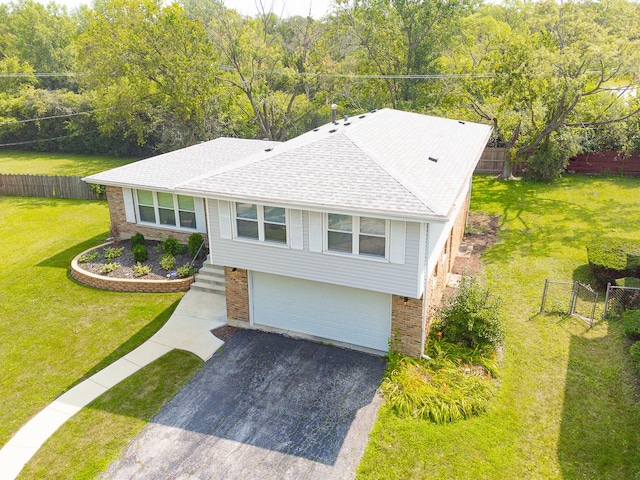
x: 315, y: 232
x: 295, y: 229
x: 201, y: 221
x: 224, y: 216
x: 397, y: 241
x: 129, y: 208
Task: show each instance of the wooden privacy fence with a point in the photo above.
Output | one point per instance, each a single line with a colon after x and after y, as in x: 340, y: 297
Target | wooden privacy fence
x: 614, y: 163
x: 46, y: 186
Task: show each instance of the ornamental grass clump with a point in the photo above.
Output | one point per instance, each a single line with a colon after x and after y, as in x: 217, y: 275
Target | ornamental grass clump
x: 442, y: 392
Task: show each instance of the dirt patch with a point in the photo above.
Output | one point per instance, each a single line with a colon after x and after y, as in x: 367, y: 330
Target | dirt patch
x: 224, y: 332
x: 126, y: 262
x: 481, y: 232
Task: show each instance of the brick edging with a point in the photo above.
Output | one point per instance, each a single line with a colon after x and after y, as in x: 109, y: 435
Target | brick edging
x: 126, y: 284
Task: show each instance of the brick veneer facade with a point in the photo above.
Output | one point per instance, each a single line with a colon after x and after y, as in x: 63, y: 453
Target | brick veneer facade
x: 237, y: 296
x: 121, y: 229
x: 410, y: 319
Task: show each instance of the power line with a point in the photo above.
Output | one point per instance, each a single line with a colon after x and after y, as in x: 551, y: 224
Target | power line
x: 22, y: 75
x: 13, y: 122
x: 42, y: 140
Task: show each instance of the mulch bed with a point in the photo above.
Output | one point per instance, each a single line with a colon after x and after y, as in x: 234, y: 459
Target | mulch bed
x: 224, y: 332
x: 482, y: 232
x: 127, y: 262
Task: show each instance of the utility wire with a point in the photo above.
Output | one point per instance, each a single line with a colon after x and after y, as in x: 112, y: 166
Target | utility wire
x: 13, y: 122
x: 42, y: 140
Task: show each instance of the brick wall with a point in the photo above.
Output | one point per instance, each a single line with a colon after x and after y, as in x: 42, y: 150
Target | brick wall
x: 237, y: 295
x: 406, y: 325
x: 121, y: 229
x: 409, y: 320
x: 127, y: 285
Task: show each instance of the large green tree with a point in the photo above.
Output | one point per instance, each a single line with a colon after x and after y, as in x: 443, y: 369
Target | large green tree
x: 545, y: 74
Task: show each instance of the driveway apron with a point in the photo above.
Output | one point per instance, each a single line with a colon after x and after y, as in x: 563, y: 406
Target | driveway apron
x: 264, y: 406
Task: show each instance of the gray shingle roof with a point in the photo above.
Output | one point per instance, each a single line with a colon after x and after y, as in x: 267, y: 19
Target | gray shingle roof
x: 170, y: 169
x: 387, y: 162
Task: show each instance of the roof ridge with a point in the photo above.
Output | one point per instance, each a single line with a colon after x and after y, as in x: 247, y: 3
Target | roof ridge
x: 392, y: 172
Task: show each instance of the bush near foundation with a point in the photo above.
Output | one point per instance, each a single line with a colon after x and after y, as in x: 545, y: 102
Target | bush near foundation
x: 614, y: 258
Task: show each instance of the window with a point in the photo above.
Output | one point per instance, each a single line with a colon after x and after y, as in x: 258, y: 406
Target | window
x: 261, y: 222
x: 357, y: 235
x: 166, y: 209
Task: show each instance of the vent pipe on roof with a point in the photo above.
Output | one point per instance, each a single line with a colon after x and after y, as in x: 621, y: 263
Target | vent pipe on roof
x: 334, y: 109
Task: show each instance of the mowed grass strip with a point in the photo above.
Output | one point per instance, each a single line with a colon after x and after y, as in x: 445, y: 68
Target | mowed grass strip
x: 71, y: 164
x: 53, y: 331
x: 85, y: 446
x: 567, y: 407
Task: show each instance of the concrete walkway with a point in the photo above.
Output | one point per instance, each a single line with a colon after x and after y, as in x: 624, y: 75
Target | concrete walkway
x: 188, y: 329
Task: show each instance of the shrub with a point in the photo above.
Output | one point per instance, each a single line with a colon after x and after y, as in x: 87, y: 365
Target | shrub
x: 443, y: 351
x: 195, y: 242
x: 140, y: 253
x: 440, y: 392
x: 185, y: 271
x: 172, y: 246
x: 168, y: 261
x: 635, y: 354
x: 137, y: 239
x: 89, y: 257
x: 111, y: 253
x: 631, y: 323
x: 614, y: 258
x: 471, y: 318
x: 109, y: 267
x: 628, y: 282
x: 140, y: 270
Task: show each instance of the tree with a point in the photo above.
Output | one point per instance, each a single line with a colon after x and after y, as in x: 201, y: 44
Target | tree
x: 551, y: 69
x: 150, y: 73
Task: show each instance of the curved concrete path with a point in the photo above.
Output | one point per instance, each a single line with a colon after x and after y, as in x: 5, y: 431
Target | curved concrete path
x: 189, y: 328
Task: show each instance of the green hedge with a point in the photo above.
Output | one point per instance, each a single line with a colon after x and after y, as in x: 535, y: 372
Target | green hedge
x: 614, y: 258
x: 631, y: 323
x: 635, y: 354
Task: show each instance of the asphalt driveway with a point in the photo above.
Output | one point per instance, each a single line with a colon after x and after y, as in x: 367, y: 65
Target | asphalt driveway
x: 264, y: 406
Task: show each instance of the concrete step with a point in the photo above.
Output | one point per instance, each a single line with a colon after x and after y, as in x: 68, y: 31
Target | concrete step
x: 210, y: 269
x: 207, y: 287
x: 212, y: 279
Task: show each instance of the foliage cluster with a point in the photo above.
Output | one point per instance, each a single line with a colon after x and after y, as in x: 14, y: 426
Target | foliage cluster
x: 634, y: 351
x: 140, y: 270
x: 146, y: 76
x: 612, y: 258
x: 168, y: 262
x: 140, y: 253
x: 89, y: 256
x: 109, y: 268
x: 471, y: 318
x: 631, y: 324
x: 137, y: 239
x: 111, y: 253
x: 194, y: 245
x: 441, y: 390
x: 185, y: 271
x: 172, y: 246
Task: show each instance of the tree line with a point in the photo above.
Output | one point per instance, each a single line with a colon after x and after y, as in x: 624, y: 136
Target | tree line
x: 139, y: 77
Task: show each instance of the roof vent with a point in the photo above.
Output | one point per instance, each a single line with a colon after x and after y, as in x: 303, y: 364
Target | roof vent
x: 316, y: 129
x: 268, y: 149
x: 362, y: 116
x: 460, y: 122
x: 333, y: 130
x: 334, y: 108
x: 347, y: 123
x: 374, y: 110
x: 433, y: 159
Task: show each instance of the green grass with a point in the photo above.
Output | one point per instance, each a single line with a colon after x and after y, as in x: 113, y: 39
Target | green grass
x: 86, y: 445
x: 36, y: 163
x: 55, y: 332
x: 567, y: 406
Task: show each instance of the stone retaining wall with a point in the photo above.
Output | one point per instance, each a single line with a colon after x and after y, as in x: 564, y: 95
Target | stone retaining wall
x: 125, y: 284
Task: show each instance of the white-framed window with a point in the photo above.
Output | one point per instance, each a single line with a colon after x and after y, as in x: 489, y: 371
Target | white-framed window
x: 365, y: 236
x: 166, y: 209
x: 261, y: 222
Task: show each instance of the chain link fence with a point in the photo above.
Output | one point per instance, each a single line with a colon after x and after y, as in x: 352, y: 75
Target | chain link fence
x: 619, y: 299
x: 570, y: 298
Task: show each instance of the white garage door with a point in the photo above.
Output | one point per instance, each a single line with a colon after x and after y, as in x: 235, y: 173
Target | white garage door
x: 350, y: 315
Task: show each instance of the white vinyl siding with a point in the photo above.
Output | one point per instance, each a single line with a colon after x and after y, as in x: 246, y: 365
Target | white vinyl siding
x: 307, y: 263
x: 397, y: 241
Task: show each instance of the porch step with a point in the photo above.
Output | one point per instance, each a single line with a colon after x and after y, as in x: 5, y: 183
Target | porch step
x: 210, y: 278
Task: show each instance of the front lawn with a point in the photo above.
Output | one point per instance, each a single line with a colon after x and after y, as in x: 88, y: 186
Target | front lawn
x: 55, y: 332
x: 567, y: 406
x: 72, y: 164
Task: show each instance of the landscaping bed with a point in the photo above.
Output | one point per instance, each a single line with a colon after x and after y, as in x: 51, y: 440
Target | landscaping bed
x: 126, y: 262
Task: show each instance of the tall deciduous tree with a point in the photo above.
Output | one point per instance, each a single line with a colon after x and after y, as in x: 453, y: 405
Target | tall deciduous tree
x: 555, y: 70
x: 151, y: 73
